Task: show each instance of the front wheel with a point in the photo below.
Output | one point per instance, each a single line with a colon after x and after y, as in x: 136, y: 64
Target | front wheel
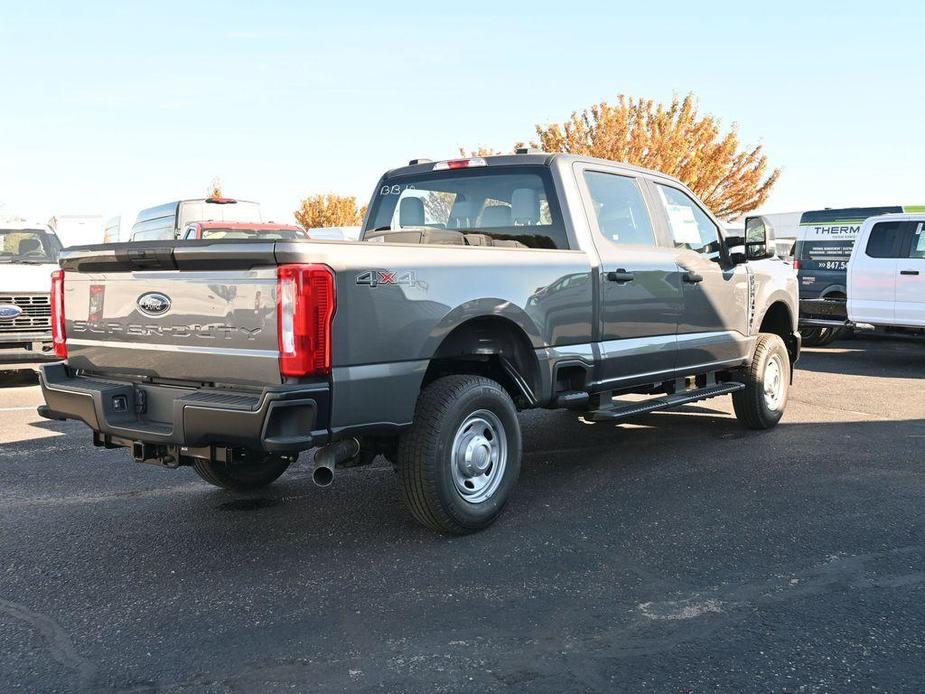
x: 767, y: 384
x: 248, y: 471
x: 460, y: 459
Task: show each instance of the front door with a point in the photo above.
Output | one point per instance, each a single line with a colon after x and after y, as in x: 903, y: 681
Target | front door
x: 713, y: 327
x: 873, y: 275
x: 910, y: 279
x: 640, y: 286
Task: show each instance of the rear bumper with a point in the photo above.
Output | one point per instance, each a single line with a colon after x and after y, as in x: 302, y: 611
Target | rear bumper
x: 24, y: 351
x: 189, y: 421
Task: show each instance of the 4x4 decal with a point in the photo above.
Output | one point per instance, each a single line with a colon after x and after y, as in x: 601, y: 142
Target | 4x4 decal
x: 375, y: 278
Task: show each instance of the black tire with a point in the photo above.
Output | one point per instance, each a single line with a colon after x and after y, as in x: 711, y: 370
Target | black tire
x: 249, y: 471
x: 751, y: 404
x: 819, y: 337
x: 426, y: 460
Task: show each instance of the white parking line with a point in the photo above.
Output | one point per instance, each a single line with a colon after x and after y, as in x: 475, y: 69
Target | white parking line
x: 17, y: 409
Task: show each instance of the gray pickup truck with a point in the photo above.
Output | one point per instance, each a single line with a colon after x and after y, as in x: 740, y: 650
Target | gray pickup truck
x: 479, y: 287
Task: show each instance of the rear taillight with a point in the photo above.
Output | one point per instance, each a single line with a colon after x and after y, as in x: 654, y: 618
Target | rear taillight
x: 796, y: 264
x: 305, y: 303
x: 58, y: 336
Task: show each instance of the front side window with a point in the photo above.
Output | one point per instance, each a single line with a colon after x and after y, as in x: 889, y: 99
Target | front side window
x: 513, y: 207
x: 620, y: 209
x: 690, y: 227
x: 883, y: 241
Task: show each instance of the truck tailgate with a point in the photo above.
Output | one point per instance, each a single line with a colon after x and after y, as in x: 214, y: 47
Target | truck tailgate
x: 201, y: 312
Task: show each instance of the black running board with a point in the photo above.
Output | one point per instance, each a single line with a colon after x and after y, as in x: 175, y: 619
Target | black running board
x: 609, y: 414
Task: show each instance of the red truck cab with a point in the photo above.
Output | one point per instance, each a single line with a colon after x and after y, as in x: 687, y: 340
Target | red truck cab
x: 242, y: 230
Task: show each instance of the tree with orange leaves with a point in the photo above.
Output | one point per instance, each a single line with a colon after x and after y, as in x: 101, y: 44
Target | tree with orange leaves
x: 674, y: 139
x: 329, y: 211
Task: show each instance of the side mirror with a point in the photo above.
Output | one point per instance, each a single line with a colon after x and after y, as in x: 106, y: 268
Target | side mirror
x: 759, y: 239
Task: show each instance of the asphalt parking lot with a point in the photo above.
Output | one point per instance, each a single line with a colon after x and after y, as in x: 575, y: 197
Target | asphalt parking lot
x: 679, y: 553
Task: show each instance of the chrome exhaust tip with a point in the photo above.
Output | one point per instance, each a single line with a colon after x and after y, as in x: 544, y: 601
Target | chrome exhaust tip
x: 323, y: 476
x: 329, y: 457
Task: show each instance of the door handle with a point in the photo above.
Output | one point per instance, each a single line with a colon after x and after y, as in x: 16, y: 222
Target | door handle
x: 691, y: 277
x: 621, y: 276
x: 908, y: 272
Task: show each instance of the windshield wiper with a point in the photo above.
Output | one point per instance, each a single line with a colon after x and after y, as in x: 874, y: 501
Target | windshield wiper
x: 32, y: 261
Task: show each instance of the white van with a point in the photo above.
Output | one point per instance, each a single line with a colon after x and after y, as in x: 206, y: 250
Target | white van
x: 166, y: 221
x: 886, y: 275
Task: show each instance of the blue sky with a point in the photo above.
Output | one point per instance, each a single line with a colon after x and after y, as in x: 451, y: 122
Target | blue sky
x: 106, y: 107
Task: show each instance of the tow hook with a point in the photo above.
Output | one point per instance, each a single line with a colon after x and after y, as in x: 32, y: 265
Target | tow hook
x: 330, y: 456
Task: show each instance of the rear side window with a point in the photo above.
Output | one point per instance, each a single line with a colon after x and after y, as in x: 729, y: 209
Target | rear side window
x: 690, y: 226
x: 884, y: 239
x: 620, y: 209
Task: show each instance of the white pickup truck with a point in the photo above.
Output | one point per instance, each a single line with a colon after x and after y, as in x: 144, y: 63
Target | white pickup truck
x: 28, y: 256
x: 886, y: 275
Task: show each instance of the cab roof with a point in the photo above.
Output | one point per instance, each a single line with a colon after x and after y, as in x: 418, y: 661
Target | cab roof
x: 533, y: 158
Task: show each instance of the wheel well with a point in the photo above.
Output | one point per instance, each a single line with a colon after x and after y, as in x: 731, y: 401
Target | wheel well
x: 493, y: 347
x: 778, y: 320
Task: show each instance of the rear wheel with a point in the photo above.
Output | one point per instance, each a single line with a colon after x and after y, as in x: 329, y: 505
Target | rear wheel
x: 460, y: 459
x: 767, y: 384
x: 819, y: 337
x: 249, y: 470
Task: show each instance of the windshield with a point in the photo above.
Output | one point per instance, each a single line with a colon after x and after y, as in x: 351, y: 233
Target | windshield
x: 276, y: 234
x: 28, y: 246
x: 203, y: 211
x: 503, y: 206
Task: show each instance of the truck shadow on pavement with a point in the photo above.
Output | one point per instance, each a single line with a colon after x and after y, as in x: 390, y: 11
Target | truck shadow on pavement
x: 18, y: 379
x: 881, y: 358
x: 569, y: 464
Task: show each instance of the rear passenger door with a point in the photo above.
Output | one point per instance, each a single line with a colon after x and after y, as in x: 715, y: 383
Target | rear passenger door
x: 713, y: 327
x: 640, y: 285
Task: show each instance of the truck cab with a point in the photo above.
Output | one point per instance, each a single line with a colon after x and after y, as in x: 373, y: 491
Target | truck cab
x: 886, y: 275
x: 28, y: 256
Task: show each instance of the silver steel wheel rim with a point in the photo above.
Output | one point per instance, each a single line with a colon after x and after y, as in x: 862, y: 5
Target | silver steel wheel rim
x: 479, y: 456
x: 773, y: 383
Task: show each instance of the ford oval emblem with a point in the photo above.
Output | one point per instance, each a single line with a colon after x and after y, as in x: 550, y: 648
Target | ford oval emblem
x: 153, y: 304
x: 8, y: 311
